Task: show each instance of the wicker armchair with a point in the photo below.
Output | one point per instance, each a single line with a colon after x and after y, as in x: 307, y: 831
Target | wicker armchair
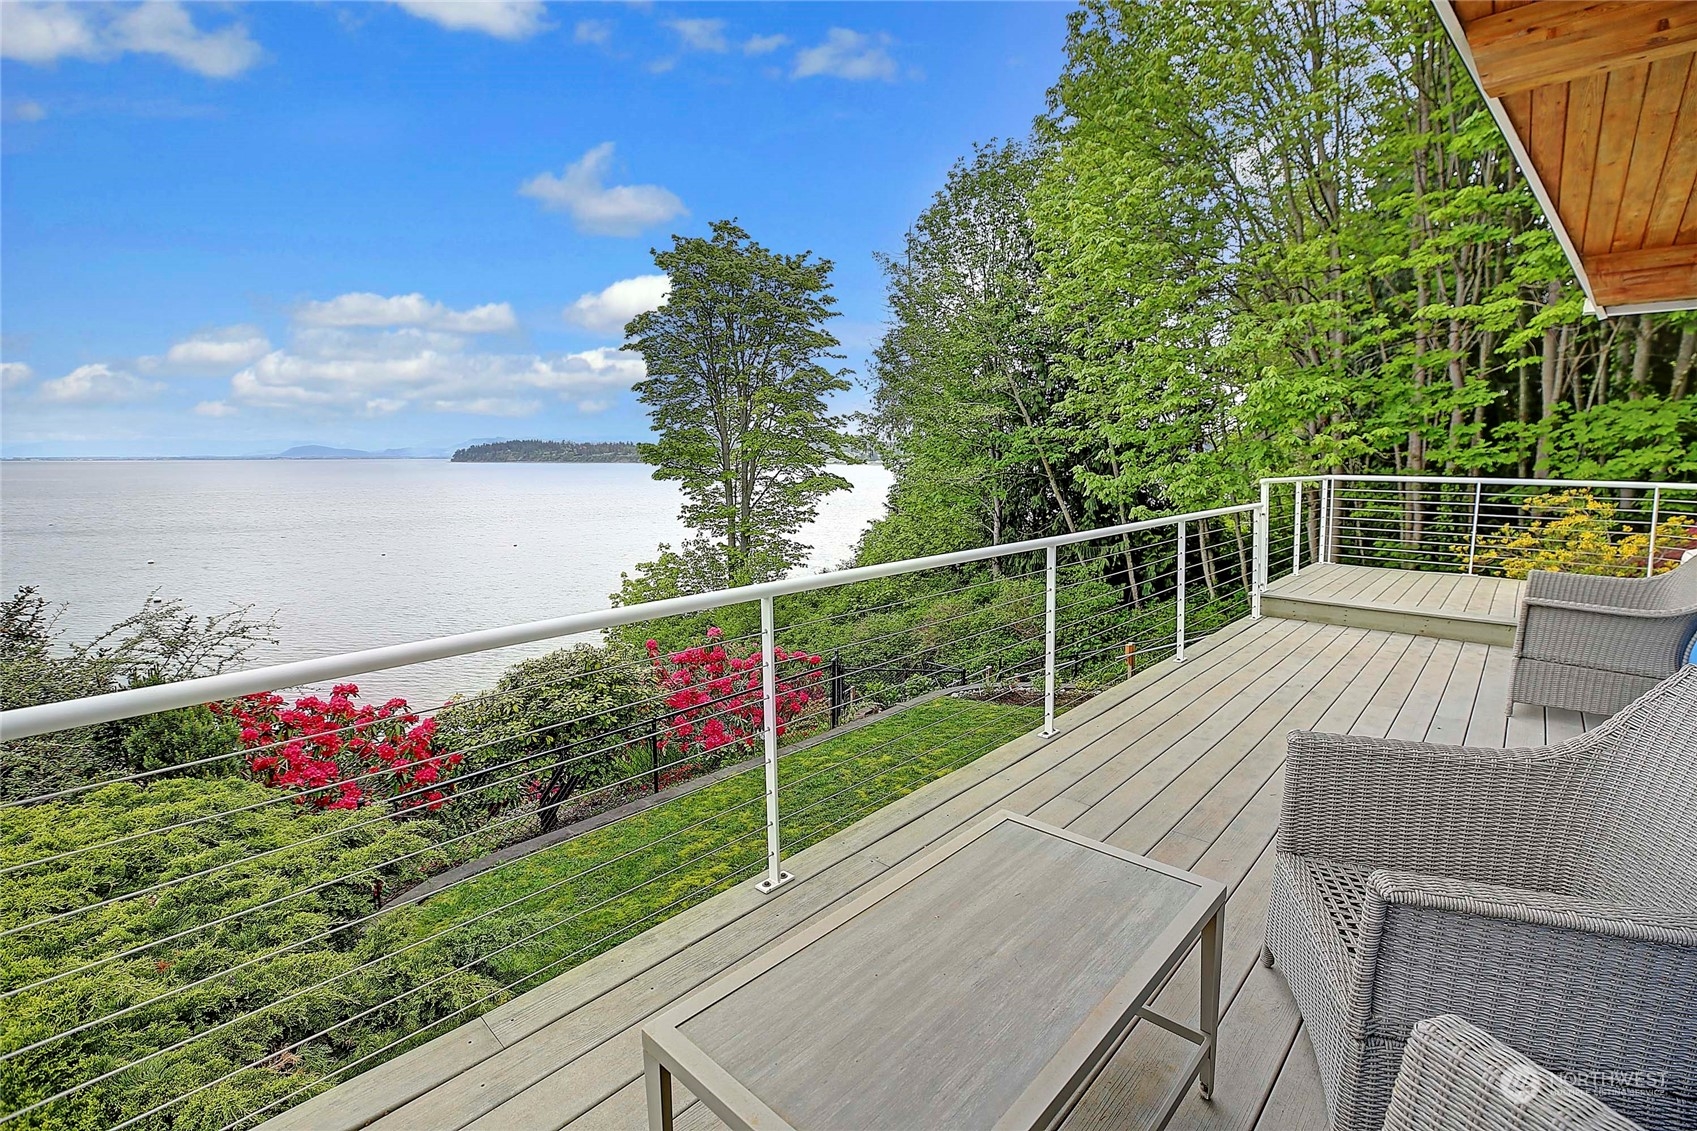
x: 1456, y: 1077
x: 1547, y: 895
x: 1597, y: 643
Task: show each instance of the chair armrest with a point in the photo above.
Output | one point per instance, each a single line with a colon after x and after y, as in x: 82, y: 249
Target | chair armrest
x: 1584, y: 987
x: 1526, y: 905
x: 1634, y: 641
x: 1457, y: 1077
x: 1592, y: 590
x: 1478, y: 813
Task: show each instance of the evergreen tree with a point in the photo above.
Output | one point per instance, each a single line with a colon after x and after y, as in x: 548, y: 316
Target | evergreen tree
x: 736, y: 388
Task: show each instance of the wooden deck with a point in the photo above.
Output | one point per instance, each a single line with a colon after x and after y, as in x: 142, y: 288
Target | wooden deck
x: 1183, y: 762
x: 1450, y: 606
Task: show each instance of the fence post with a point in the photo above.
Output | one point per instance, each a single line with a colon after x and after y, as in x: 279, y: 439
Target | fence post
x: 775, y: 876
x: 1049, y: 645
x: 1473, y: 528
x: 1178, y: 643
x: 836, y: 678
x: 1296, y: 532
x: 1655, y: 517
x: 654, y: 756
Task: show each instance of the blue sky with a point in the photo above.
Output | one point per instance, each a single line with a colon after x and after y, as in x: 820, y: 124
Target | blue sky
x: 231, y: 228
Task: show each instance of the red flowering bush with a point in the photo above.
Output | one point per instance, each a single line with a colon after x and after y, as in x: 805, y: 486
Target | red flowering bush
x: 338, y: 754
x: 714, y: 699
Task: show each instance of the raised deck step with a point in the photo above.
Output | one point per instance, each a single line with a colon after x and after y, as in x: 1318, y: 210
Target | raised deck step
x: 1449, y: 606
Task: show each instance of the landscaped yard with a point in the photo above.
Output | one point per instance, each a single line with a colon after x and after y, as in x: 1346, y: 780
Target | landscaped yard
x: 257, y: 995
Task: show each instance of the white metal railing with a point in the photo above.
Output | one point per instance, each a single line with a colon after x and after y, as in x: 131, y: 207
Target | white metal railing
x: 1110, y: 596
x: 1485, y: 525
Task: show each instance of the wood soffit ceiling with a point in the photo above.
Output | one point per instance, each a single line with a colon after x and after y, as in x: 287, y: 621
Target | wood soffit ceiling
x: 1599, y: 102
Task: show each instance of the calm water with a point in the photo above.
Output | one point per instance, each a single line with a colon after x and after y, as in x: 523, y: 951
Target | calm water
x: 355, y: 554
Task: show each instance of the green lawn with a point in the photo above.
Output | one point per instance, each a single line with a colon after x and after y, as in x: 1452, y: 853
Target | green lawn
x: 563, y: 905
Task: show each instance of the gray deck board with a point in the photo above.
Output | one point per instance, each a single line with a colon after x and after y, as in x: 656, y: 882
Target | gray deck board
x: 1182, y: 762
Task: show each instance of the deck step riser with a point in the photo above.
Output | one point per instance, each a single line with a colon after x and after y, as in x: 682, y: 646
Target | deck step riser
x: 1468, y: 628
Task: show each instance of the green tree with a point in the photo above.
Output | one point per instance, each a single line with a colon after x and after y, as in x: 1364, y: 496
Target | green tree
x: 966, y: 393
x: 737, y: 390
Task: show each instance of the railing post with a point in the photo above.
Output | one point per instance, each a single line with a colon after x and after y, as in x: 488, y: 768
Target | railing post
x: 1473, y: 528
x: 776, y: 877
x: 1260, y: 544
x: 1324, y: 551
x: 1178, y: 643
x: 1296, y: 532
x: 1049, y: 644
x: 1655, y: 517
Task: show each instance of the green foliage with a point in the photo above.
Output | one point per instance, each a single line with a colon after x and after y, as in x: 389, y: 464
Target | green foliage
x: 548, y: 451
x: 293, y: 963
x: 1248, y: 239
x: 182, y: 738
x: 548, y: 728
x: 736, y: 390
x: 161, y: 643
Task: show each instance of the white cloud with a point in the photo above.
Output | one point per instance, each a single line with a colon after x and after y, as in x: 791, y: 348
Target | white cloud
x: 216, y: 409
x: 14, y: 373
x: 763, y: 44
x: 97, y: 384
x: 379, y: 372
x: 45, y: 33
x: 701, y: 35
x: 598, y: 32
x: 606, y: 311
x: 503, y: 19
x: 363, y: 308
x: 25, y: 110
x: 225, y: 349
x: 600, y: 208
x: 847, y: 54
x: 591, y: 405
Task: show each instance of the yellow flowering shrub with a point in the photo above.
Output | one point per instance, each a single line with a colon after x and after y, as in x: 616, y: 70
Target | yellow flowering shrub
x: 1573, y: 531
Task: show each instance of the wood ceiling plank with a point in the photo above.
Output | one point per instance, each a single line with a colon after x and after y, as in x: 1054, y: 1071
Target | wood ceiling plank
x: 1688, y: 227
x: 1650, y: 275
x: 1519, y: 108
x: 1469, y: 10
x: 1663, y: 92
x: 1579, y: 154
x: 1679, y: 174
x: 1561, y: 40
x: 1549, y: 128
x: 1621, y: 105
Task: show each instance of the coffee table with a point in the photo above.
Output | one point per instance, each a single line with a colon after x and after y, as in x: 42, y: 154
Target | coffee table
x: 982, y: 985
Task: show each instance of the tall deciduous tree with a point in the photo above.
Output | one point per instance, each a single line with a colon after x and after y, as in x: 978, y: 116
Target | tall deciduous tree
x: 737, y: 390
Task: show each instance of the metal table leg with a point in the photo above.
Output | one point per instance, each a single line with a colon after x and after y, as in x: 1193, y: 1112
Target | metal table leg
x: 1212, y: 937
x: 659, y: 1093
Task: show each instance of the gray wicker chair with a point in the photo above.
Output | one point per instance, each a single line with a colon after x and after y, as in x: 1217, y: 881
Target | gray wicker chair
x: 1597, y: 643
x: 1548, y: 895
x: 1457, y: 1077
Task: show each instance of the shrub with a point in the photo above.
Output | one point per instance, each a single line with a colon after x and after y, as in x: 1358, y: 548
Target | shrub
x: 550, y: 727
x: 338, y: 754
x: 1578, y: 534
x: 715, y: 699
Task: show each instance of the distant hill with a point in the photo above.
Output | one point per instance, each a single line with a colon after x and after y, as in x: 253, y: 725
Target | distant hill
x: 320, y: 451
x: 548, y: 451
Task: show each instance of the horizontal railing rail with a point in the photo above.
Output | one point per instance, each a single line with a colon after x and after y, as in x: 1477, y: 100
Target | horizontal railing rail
x: 26, y: 722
